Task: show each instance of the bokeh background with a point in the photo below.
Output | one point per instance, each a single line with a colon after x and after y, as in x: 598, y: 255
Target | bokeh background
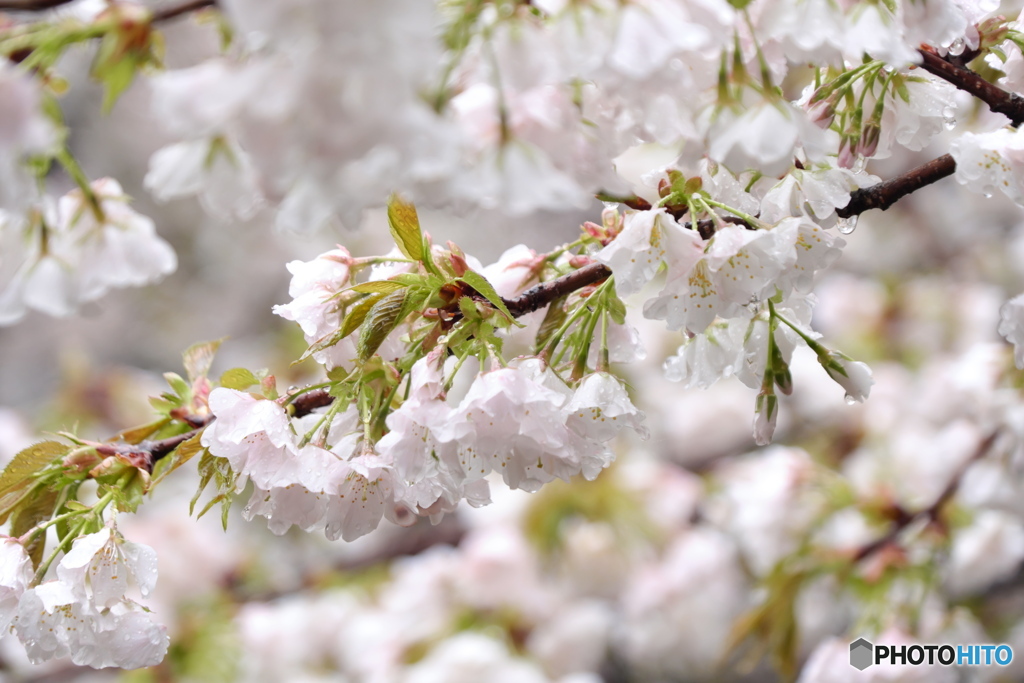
x: 641, y: 575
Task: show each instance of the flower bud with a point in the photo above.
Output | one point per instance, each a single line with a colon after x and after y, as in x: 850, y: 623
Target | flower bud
x: 851, y: 375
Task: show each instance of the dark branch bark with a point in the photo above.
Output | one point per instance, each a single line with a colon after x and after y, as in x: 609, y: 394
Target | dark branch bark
x: 160, y: 14
x: 888, y: 192
x: 173, y: 11
x: 543, y: 294
x: 30, y: 5
x: 998, y: 100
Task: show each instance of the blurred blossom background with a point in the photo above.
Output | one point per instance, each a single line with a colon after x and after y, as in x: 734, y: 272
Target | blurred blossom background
x: 659, y: 569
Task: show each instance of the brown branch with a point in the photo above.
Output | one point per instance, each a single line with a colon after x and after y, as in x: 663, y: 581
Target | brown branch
x: 888, y: 192
x: 173, y: 11
x: 146, y: 453
x: 30, y: 5
x: 934, y: 511
x: 161, y: 14
x: 543, y: 294
x: 998, y: 100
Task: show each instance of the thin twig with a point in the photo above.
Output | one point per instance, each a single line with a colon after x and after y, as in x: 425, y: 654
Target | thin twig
x: 30, y: 5
x: 932, y: 512
x: 146, y: 453
x: 998, y: 100
x: 173, y: 11
x: 888, y: 192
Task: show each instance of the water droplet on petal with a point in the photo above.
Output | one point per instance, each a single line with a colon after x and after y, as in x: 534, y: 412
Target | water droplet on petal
x: 847, y: 225
x: 957, y: 47
x: 988, y: 195
x: 850, y: 400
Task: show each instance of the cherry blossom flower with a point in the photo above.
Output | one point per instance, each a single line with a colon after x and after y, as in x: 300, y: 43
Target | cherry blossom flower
x: 739, y: 265
x: 15, y: 577
x: 1011, y: 326
x: 85, y: 613
x: 807, y: 30
x: 986, y: 552
x: 763, y: 136
x: 815, y: 193
x: 853, y: 376
x: 649, y: 239
x: 315, y: 307
x: 23, y: 131
x: 82, y: 251
x: 991, y: 162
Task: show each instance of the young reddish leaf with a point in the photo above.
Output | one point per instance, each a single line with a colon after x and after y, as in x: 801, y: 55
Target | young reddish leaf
x: 199, y: 357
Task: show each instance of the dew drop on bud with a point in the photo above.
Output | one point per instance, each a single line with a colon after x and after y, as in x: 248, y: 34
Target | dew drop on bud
x: 847, y: 225
x: 859, y: 164
x: 850, y: 400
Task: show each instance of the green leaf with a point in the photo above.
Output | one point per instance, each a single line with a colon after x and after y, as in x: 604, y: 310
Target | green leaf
x: 218, y: 471
x: 468, y: 308
x: 902, y: 91
x: 128, y: 497
x: 116, y: 77
x: 486, y: 290
x: 405, y: 227
x: 137, y: 434
x: 377, y: 287
x: 616, y: 309
x: 381, y: 321
x: 357, y: 313
x: 199, y: 357
x: 239, y: 379
x: 179, y: 386
x: 417, y: 280
x: 28, y: 462
x: 414, y: 300
x: 32, y: 512
x: 554, y: 318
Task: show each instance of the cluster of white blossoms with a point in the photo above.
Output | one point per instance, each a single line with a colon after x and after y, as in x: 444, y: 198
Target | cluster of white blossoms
x: 76, y: 250
x: 513, y: 108
x: 520, y: 422
x: 84, y: 612
x: 527, y: 109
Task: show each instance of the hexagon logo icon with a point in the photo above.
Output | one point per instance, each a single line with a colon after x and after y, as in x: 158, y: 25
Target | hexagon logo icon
x: 861, y: 654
